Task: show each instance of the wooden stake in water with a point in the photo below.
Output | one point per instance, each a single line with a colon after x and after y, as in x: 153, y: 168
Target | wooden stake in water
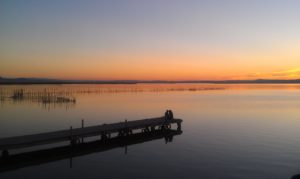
x: 82, y: 126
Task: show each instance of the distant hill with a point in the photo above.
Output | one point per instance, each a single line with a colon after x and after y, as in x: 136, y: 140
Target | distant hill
x: 59, y: 81
x: 258, y: 81
x: 8, y: 81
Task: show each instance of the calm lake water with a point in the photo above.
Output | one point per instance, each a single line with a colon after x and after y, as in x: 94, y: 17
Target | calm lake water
x: 229, y: 131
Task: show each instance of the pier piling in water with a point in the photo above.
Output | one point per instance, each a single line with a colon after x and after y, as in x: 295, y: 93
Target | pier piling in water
x: 82, y: 126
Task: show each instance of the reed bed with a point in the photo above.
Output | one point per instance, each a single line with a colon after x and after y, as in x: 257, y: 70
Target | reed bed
x: 66, y: 93
x: 51, y: 96
x: 39, y: 96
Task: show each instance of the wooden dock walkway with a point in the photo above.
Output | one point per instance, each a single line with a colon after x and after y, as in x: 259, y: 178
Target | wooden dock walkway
x: 76, y: 135
x: 42, y: 156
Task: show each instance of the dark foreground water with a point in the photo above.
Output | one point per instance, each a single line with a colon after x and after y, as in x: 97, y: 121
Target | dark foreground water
x: 229, y: 131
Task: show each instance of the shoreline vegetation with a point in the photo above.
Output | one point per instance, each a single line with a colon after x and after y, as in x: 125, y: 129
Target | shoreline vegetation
x: 44, y: 97
x: 48, y: 95
x: 32, y: 81
x: 56, y: 92
x: 41, y: 97
x: 65, y: 96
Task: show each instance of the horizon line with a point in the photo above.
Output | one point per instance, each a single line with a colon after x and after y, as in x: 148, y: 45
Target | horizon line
x: 36, y: 80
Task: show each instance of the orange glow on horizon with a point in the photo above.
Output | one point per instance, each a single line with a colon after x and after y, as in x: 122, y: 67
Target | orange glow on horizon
x: 158, y: 66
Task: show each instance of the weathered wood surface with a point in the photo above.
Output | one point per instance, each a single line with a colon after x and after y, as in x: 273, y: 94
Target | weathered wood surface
x: 64, y: 135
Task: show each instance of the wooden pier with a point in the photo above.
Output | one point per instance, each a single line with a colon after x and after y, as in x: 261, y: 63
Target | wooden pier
x: 76, y: 135
x: 70, y: 152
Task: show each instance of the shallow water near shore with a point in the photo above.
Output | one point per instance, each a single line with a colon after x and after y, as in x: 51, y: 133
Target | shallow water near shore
x: 229, y: 131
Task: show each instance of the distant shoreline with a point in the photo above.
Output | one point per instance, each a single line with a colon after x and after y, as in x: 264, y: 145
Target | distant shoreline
x: 39, y: 81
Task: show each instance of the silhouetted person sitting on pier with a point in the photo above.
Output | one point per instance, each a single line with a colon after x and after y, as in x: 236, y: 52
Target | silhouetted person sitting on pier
x: 171, y: 114
x: 168, y: 115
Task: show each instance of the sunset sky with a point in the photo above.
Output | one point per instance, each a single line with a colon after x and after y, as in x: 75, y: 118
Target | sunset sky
x: 150, y: 40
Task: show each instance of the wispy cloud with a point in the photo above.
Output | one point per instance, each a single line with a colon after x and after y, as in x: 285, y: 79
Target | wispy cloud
x: 293, y: 73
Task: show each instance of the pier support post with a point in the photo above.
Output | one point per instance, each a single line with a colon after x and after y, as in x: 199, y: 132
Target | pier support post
x: 103, y: 136
x: 178, y: 125
x: 71, y: 131
x: 152, y: 128
x: 72, y: 139
x: 121, y: 133
x: 146, y: 130
x: 82, y: 126
x: 164, y: 127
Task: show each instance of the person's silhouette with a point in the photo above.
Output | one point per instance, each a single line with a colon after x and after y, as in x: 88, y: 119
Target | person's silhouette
x: 166, y: 115
x: 171, y: 114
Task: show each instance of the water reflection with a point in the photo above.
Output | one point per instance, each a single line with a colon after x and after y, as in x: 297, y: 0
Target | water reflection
x: 17, y: 161
x: 64, y: 96
x: 240, y: 133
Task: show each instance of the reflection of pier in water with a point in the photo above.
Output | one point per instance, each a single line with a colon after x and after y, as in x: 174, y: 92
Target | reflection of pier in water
x: 70, y: 151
